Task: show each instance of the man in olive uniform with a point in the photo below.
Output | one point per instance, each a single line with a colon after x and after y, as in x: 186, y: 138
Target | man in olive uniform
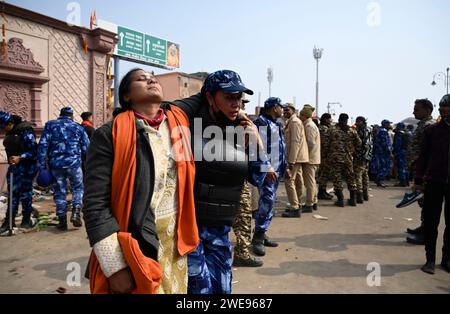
x: 343, y: 142
x: 423, y: 108
x: 324, y: 170
x: 361, y: 160
x: 242, y: 227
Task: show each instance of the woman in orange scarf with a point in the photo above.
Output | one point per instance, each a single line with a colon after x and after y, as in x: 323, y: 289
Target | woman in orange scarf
x: 139, y: 203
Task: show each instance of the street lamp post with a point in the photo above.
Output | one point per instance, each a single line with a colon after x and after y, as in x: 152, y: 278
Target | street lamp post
x: 270, y: 79
x: 317, y: 55
x: 333, y: 103
x: 445, y: 77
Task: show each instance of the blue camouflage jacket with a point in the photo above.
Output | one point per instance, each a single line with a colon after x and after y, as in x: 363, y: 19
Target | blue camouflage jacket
x: 271, y: 130
x: 382, y: 144
x: 401, y: 142
x: 64, y: 143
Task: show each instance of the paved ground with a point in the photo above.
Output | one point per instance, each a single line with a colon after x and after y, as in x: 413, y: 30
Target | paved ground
x: 314, y: 256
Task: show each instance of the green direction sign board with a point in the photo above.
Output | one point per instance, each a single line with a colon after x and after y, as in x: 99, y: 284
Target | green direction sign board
x: 146, y: 48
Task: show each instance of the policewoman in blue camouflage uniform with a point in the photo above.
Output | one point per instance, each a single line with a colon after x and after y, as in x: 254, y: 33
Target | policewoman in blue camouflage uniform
x: 21, y: 150
x: 219, y: 181
x: 382, y: 149
x: 400, y: 150
x: 63, y: 145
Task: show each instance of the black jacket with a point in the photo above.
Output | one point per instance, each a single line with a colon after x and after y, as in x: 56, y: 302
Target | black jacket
x: 98, y: 217
x: 89, y: 130
x: 433, y: 164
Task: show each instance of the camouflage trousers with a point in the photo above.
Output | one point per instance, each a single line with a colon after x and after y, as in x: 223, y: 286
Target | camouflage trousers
x: 361, y: 170
x: 209, y: 266
x: 324, y: 175
x: 343, y: 171
x: 60, y: 188
x: 243, y: 224
x: 22, y: 189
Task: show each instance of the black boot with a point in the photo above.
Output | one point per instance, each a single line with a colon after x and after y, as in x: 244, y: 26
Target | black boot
x: 307, y: 209
x: 247, y: 262
x: 352, y: 200
x: 340, y: 198
x: 62, y: 225
x: 366, y: 195
x: 258, y: 243
x: 291, y: 213
x: 315, y: 207
x: 401, y: 184
x: 418, y: 230
x: 417, y: 239
x: 75, y: 219
x: 269, y: 242
x: 359, y: 198
x: 329, y: 195
x: 380, y: 184
x: 5, y: 225
x: 429, y: 267
x: 26, y: 221
x: 323, y: 195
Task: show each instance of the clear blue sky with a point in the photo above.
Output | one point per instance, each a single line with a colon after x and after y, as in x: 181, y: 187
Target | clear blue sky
x: 376, y: 65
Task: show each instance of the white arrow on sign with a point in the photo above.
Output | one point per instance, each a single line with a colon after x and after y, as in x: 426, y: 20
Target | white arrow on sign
x: 121, y: 35
x: 148, y: 45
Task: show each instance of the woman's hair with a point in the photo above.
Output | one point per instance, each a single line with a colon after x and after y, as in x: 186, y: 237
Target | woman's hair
x: 124, y: 89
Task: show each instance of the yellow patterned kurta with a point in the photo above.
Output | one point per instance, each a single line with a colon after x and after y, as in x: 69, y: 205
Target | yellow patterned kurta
x: 164, y: 204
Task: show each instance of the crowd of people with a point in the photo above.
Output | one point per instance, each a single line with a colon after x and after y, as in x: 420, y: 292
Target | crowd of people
x: 160, y: 193
x: 59, y: 155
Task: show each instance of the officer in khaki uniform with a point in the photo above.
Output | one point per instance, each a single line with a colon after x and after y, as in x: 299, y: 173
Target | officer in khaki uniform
x: 297, y: 155
x: 309, y: 169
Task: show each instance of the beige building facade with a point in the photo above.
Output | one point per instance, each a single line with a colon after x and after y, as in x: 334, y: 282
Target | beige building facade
x: 178, y: 85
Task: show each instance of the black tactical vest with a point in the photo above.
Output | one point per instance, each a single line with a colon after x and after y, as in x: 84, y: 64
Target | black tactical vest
x: 219, y: 181
x: 12, y: 142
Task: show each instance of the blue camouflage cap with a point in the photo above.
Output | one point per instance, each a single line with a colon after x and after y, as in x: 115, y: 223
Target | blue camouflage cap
x: 5, y: 117
x: 274, y: 101
x: 226, y: 81
x: 385, y: 122
x: 66, y: 111
x: 400, y: 125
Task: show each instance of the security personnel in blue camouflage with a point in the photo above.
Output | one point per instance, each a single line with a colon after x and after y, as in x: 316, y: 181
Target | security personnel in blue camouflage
x: 64, y: 143
x: 272, y: 135
x: 382, y: 149
x: 219, y: 180
x: 21, y: 150
x: 400, y: 149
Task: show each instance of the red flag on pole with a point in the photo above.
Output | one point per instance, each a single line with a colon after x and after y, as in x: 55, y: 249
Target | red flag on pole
x: 93, y: 19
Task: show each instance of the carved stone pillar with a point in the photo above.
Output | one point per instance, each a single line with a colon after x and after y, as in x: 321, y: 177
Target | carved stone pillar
x: 101, y: 43
x: 36, y: 90
x: 21, y: 82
